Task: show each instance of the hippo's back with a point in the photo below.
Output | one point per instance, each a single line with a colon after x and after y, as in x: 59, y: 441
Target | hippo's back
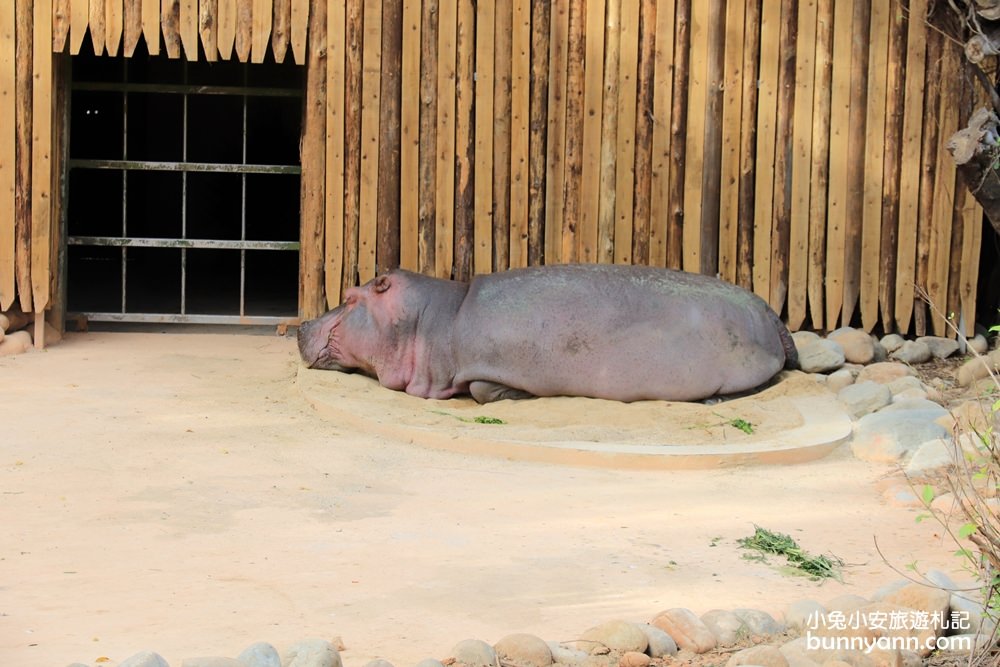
x: 618, y: 332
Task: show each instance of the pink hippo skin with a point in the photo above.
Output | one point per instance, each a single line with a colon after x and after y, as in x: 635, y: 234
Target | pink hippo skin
x: 625, y: 333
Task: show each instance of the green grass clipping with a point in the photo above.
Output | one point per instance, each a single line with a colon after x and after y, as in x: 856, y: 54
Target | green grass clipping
x: 765, y: 541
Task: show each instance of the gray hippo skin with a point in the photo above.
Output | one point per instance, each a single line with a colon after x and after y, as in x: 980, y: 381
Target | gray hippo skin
x: 625, y: 333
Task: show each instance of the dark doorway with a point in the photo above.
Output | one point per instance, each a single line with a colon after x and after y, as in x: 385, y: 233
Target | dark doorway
x: 183, y: 190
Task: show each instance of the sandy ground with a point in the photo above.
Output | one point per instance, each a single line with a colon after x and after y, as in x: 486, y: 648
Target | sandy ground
x: 175, y: 492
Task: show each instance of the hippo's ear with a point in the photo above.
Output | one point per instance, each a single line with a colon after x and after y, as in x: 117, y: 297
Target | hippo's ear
x: 381, y: 284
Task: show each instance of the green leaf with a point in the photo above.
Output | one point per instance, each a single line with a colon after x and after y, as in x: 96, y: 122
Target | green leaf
x: 922, y: 517
x: 967, y: 529
x: 927, y: 495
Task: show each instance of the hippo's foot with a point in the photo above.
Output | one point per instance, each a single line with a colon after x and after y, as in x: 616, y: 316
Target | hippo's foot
x: 487, y: 392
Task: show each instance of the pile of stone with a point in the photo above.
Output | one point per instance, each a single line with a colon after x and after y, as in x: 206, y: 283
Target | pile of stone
x: 899, y: 625
x: 899, y: 419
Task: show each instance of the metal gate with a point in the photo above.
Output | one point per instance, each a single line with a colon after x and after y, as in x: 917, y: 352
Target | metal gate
x: 183, y: 195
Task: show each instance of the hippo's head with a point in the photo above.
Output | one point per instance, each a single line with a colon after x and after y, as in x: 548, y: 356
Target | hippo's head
x: 355, y: 334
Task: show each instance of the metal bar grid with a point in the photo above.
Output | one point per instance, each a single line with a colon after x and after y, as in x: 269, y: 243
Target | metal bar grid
x: 184, y: 167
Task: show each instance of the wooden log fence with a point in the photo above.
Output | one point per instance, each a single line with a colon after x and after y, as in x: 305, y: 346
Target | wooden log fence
x: 795, y: 147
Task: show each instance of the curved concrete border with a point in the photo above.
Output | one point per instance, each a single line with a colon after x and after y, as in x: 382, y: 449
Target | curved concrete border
x: 824, y: 426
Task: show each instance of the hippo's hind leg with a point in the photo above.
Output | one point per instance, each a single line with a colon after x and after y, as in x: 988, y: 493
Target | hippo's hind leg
x: 485, y: 391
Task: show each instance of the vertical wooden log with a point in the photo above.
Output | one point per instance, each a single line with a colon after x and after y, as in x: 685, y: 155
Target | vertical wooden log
x: 208, y: 29
x: 708, y: 241
x: 592, y: 93
x: 678, y: 131
x: 659, y: 205
x: 60, y: 104
x: 895, y: 82
x: 575, y: 55
x: 371, y: 91
x: 781, y: 218
x: 41, y: 157
x: 244, y: 29
x: 856, y: 151
x: 150, y: 27
x: 538, y: 123
x: 520, y: 98
x: 281, y: 32
x: 96, y: 23
x: 390, y: 135
x: 928, y: 171
x: 940, y: 250
x: 189, y: 29
x: 556, y: 135
x: 261, y: 31
x: 409, y: 155
x: 643, y: 115
x: 114, y: 21
x: 61, y: 22
x: 299, y: 32
x: 624, y: 209
x: 79, y: 16
x: 483, y: 171
x: 22, y: 128
x: 697, y: 125
x: 133, y: 26
x: 445, y: 223
x: 226, y: 33
x: 354, y: 31
x: 502, y: 135
x: 464, y: 148
x: 427, y: 204
x: 312, y: 302
x: 962, y: 199
x: 748, y: 145
x: 971, y: 215
x: 8, y: 152
x: 798, y: 255
x: 731, y: 110
x: 767, y: 107
x: 333, y: 235
x: 820, y: 169
x: 618, y: 70
x: 871, y: 218
x: 909, y: 179
x: 170, y: 19
x: 836, y: 233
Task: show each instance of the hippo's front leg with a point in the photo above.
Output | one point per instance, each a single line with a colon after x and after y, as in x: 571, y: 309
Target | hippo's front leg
x: 485, y: 391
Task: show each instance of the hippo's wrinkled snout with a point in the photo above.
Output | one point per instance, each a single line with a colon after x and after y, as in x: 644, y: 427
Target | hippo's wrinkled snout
x: 310, y: 346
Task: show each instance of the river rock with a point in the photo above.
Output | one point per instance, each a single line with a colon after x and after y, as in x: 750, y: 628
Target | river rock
x: 617, y: 635
x: 660, y: 644
x: 15, y: 343
x: 858, y: 346
x: 805, y: 614
x: 260, y: 654
x: 523, y: 650
x: 474, y: 653
x: 759, y: 622
x: 864, y: 398
x: 892, y: 342
x: 931, y: 455
x: 725, y: 625
x: 762, y: 656
x: 846, y: 603
x: 839, y: 379
x: 633, y: 659
x: 885, y: 437
x: 979, y: 344
x: 686, y: 629
x: 884, y: 372
x: 912, y: 352
x: 977, y: 368
x: 941, y: 348
x: 565, y: 655
x: 311, y: 653
x: 145, y: 659
x: 820, y: 356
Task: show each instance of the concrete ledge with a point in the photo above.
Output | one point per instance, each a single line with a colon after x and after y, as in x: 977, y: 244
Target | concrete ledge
x: 794, y: 422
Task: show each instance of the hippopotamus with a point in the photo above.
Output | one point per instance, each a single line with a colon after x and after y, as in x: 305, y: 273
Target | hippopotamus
x: 625, y: 333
